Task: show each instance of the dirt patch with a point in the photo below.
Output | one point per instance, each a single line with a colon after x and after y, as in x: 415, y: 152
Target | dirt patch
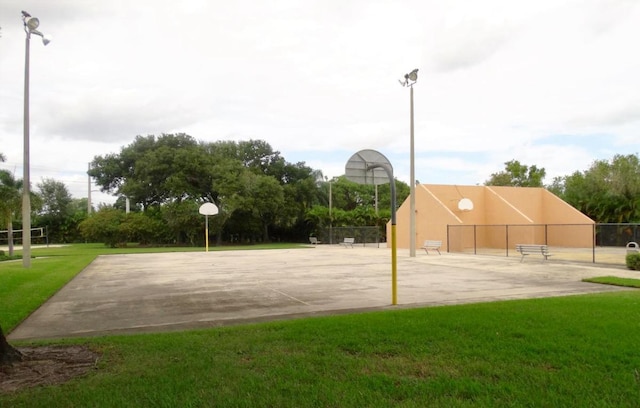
x: 47, y: 365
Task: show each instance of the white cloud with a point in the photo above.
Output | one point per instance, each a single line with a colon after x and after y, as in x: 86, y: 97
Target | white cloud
x: 498, y: 80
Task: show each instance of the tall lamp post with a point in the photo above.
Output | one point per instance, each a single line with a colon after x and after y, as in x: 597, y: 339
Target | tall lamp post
x: 30, y: 27
x: 330, y: 181
x: 409, y: 80
x: 330, y: 214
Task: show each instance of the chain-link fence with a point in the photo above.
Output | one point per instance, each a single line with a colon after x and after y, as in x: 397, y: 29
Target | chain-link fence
x: 598, y: 243
x: 363, y: 235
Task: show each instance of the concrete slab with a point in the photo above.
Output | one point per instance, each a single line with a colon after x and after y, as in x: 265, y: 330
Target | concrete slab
x: 174, y: 291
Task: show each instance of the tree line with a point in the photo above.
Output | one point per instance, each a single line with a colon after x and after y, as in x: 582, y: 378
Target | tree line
x: 607, y: 192
x: 261, y: 196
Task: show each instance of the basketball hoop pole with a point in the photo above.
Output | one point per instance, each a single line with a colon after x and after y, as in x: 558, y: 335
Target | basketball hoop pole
x: 206, y: 232
x: 207, y: 209
x: 361, y: 168
x: 394, y: 256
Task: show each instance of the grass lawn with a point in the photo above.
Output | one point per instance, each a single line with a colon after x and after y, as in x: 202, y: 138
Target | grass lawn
x: 567, y: 351
x: 616, y: 281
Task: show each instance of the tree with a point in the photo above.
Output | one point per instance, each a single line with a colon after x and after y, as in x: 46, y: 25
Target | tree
x: 77, y: 213
x: 259, y: 203
x: 172, y: 169
x: 142, y: 169
x: 517, y: 175
x: 8, y: 354
x: 56, y: 208
x: 259, y: 156
x: 10, y: 202
x: 609, y: 191
x: 184, y: 221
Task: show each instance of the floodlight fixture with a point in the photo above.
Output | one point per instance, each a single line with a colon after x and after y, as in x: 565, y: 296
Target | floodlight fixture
x: 32, y: 23
x: 410, y: 78
x: 30, y: 27
x: 413, y: 75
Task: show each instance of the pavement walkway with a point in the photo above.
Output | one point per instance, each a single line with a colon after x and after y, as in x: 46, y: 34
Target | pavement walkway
x: 175, y: 291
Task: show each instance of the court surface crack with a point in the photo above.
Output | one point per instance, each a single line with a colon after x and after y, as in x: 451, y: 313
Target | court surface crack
x: 286, y: 295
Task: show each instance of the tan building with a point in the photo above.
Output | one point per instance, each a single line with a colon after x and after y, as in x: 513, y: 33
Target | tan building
x: 465, y: 217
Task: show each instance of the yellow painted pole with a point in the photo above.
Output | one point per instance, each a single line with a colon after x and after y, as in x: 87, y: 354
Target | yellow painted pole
x: 206, y: 232
x: 394, y: 268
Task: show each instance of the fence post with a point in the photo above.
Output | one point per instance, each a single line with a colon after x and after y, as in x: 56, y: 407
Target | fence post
x: 546, y: 239
x: 475, y: 242
x: 506, y: 230
x: 593, y: 243
x: 448, y: 238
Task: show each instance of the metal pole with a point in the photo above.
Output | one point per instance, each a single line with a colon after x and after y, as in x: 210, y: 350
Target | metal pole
x: 412, y: 199
x: 394, y: 257
x: 206, y: 232
x: 593, y: 243
x: 330, y: 216
x: 89, y: 192
x: 376, y: 199
x: 26, y: 177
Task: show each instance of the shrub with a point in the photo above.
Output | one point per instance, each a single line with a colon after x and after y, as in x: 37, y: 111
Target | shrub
x: 103, y: 226
x: 633, y: 261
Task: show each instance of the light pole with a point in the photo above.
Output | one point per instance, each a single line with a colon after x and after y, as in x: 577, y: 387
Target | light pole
x: 89, y: 191
x: 30, y: 27
x: 330, y: 207
x: 409, y: 80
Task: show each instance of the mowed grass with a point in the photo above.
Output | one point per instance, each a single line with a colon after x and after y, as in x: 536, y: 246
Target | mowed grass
x: 614, y: 280
x: 567, y: 351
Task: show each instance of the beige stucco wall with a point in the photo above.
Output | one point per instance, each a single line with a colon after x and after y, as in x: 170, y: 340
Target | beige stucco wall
x: 525, y: 210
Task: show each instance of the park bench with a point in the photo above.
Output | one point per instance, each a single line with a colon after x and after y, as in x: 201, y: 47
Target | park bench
x: 348, y: 242
x: 314, y: 240
x: 432, y: 244
x: 528, y: 249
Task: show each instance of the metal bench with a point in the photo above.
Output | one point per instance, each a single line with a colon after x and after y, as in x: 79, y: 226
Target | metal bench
x: 348, y: 242
x: 528, y: 249
x: 432, y: 244
x: 314, y: 240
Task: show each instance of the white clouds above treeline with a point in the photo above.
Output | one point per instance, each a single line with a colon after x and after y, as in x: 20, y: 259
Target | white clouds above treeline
x: 552, y: 83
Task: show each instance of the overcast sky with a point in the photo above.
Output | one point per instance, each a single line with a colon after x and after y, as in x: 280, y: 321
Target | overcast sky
x: 550, y: 83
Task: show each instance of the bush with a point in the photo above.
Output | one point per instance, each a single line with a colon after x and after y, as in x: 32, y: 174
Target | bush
x: 103, y: 226
x: 115, y: 228
x: 633, y: 261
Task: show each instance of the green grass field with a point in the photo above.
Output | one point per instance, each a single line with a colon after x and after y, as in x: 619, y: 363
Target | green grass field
x: 616, y: 281
x: 567, y: 351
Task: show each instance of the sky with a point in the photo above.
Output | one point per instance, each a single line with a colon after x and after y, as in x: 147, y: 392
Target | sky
x: 550, y: 83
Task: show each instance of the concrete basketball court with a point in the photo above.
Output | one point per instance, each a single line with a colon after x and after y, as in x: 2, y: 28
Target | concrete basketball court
x: 119, y: 294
